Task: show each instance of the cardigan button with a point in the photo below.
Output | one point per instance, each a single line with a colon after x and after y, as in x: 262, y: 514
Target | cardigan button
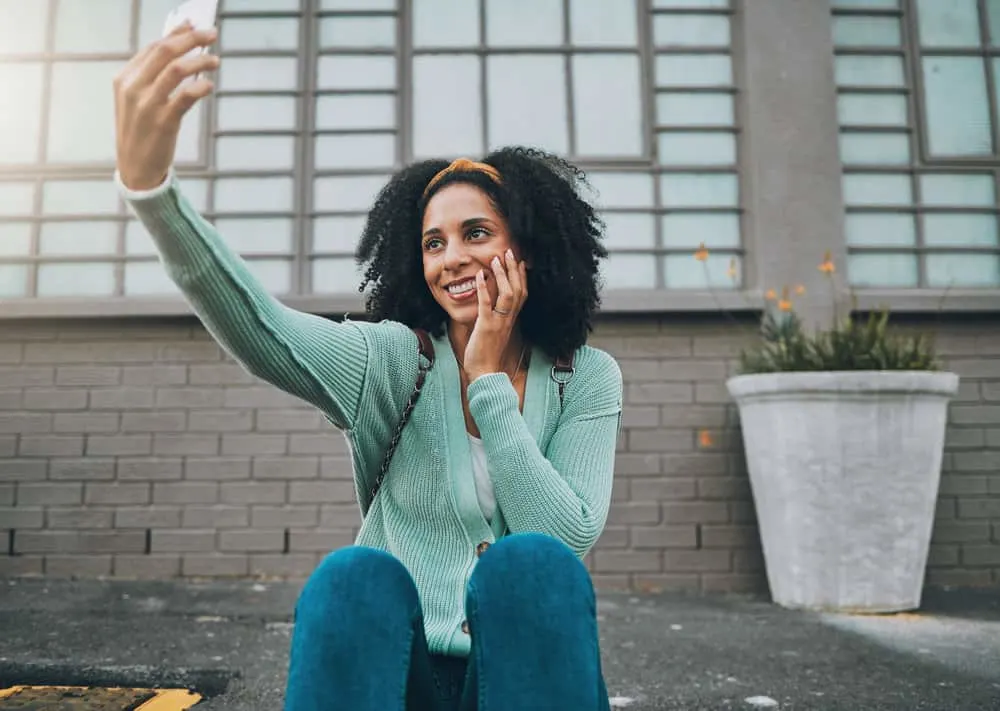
x: 465, y: 626
x: 481, y: 548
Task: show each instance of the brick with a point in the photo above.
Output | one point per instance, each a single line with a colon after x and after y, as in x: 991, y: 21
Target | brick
x: 340, y: 516
x: 116, y: 493
x: 637, y: 464
x: 123, y: 398
x: 964, y: 438
x: 301, y: 516
x: 77, y: 518
x: 51, y: 445
x: 6, y: 494
x: 89, y: 353
x: 718, y: 345
x: 610, y: 561
x: 252, y: 541
x: 670, y: 536
x: 748, y: 561
x: 961, y: 532
x: 669, y: 582
x: 55, y: 399
x: 215, y: 565
x: 22, y: 469
x: 941, y: 554
x: 658, y: 393
x: 8, y: 446
x: 733, y: 583
x: 296, y: 420
x: 716, y: 488
x: 660, y: 440
x: 221, y: 421
x: 153, y: 422
x: 993, y: 438
x: 636, y: 369
x: 968, y: 391
x: 711, y: 393
x: 261, y: 396
x: 951, y: 577
x: 11, y: 352
x: 149, y: 469
x: 700, y: 416
x: 742, y: 512
x: 159, y: 566
x: 981, y: 461
x: 697, y: 561
x: 77, y: 566
x: 693, y: 370
x: 695, y: 512
x: 989, y: 388
x: 619, y: 490
x: 257, y: 492
x: 962, y: 485
x: 89, y: 375
x: 295, y: 565
x: 658, y: 346
x: 188, y: 352
x: 331, y: 442
x: 285, y: 467
x: 634, y: 512
x: 975, y: 414
x: 322, y: 492
x: 217, y: 469
x: 614, y: 537
x: 320, y: 539
x: 182, y: 541
x: 185, y: 397
x: 185, y: 444
x: 254, y: 444
x: 155, y: 375
x: 21, y: 565
x: 26, y: 376
x: 148, y: 517
x: 981, y: 555
x: 85, y: 422
x: 62, y: 494
x: 636, y: 416
x: 18, y: 517
x: 64, y: 542
x: 975, y: 367
x: 946, y: 508
x: 336, y: 468
x: 661, y: 489
x: 185, y: 492
x: 119, y: 445
x: 217, y: 516
x: 84, y: 469
x: 219, y: 374
x: 979, y: 508
x: 23, y: 423
x: 729, y: 536
x: 11, y: 399
x: 993, y: 484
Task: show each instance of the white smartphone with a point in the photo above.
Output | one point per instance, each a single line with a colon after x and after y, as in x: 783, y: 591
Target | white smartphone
x: 201, y: 13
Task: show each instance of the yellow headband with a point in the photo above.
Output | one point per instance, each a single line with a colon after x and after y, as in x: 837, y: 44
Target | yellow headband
x: 466, y: 166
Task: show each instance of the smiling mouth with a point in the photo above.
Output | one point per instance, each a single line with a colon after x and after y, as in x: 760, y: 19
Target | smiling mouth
x: 461, y: 290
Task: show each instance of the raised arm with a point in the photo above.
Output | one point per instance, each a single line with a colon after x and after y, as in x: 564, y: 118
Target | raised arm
x: 308, y: 356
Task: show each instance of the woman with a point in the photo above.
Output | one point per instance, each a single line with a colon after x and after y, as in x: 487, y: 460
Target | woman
x: 465, y: 589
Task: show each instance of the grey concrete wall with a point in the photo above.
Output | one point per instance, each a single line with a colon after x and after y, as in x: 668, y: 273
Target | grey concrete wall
x: 138, y: 450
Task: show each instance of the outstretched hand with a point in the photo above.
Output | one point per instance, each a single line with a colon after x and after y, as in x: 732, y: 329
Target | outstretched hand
x: 495, y: 322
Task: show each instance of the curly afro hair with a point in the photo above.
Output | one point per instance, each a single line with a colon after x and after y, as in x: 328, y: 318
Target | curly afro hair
x: 557, y: 230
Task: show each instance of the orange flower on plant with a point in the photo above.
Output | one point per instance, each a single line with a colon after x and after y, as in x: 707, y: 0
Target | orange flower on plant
x: 784, y: 304
x: 770, y: 295
x: 705, y: 438
x: 827, y: 266
x: 800, y: 289
x: 701, y: 254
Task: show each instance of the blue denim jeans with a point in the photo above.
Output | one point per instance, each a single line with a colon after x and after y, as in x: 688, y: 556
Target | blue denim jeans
x: 359, y: 639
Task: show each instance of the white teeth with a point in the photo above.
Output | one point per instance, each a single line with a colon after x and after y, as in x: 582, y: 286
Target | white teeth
x: 462, y: 288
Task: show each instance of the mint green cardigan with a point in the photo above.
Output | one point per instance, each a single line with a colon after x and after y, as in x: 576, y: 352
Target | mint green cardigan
x: 551, y: 466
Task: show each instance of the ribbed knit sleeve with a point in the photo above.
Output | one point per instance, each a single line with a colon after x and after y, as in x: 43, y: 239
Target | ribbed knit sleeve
x: 310, y: 357
x: 565, y: 492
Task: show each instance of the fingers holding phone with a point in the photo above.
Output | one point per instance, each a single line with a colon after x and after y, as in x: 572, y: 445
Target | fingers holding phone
x: 156, y: 88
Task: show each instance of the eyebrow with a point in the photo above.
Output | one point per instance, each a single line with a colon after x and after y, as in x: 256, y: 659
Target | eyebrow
x: 471, y: 222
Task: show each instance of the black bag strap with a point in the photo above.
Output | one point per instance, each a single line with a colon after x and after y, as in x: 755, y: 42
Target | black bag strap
x: 426, y: 362
x: 562, y: 371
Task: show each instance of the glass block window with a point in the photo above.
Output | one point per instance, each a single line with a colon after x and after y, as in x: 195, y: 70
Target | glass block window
x: 918, y: 121
x: 317, y: 102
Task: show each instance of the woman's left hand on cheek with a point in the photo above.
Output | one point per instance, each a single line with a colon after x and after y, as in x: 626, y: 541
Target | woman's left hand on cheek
x: 495, y: 322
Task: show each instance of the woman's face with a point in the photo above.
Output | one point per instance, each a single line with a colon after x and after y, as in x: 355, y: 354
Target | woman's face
x: 461, y: 233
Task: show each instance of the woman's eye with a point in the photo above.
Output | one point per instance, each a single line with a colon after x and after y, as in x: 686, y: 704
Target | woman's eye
x: 477, y: 232
x: 432, y: 243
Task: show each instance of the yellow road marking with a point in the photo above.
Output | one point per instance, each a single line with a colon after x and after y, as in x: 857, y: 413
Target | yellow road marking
x: 165, y: 699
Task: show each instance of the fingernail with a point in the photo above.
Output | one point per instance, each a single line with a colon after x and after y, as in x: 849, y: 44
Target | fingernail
x: 510, y: 254
x: 496, y: 261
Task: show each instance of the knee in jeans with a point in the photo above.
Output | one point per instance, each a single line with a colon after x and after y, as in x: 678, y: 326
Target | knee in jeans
x: 522, y: 557
x: 353, y: 573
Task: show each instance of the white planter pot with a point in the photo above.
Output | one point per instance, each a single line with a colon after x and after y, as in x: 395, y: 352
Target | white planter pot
x: 844, y: 469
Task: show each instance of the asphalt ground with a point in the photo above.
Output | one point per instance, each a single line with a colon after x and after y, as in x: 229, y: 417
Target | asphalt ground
x: 229, y: 641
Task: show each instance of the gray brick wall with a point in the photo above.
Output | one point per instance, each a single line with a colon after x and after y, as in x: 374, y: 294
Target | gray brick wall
x: 141, y: 451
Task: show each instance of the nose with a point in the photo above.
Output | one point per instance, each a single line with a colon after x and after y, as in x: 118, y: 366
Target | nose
x: 456, y: 255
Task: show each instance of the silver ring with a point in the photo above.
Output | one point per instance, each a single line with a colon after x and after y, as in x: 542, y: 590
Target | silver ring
x: 502, y: 313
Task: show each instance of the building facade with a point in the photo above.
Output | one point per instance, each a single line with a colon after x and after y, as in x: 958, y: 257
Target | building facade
x: 772, y: 132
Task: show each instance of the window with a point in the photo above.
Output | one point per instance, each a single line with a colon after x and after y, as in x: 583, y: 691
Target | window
x: 319, y: 101
x: 917, y: 114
